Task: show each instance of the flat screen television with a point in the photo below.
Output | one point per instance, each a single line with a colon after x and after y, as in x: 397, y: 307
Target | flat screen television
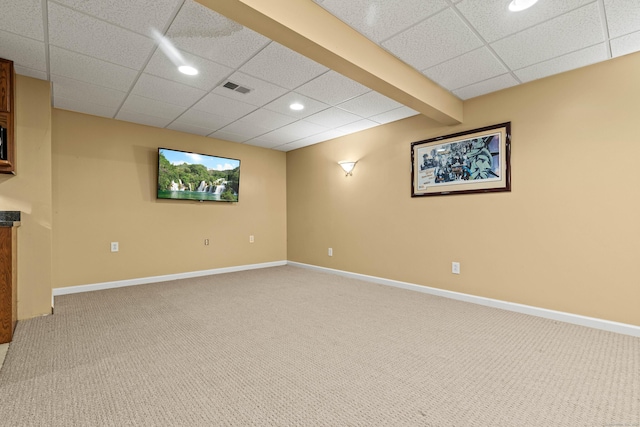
x: 183, y: 175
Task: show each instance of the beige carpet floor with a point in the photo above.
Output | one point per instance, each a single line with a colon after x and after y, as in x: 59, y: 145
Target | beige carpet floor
x: 287, y: 346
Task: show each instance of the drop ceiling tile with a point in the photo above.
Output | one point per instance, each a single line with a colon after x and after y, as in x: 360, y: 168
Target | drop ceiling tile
x: 370, y: 104
x: 435, y: 40
x: 77, y: 32
x: 142, y: 119
x: 282, y: 66
x: 75, y: 89
x: 228, y: 136
x: 357, y: 126
x: 140, y: 15
x: 573, y: 60
x: 261, y: 92
x: 293, y: 132
x: 83, y: 106
x: 567, y: 33
x: 90, y: 70
x: 314, y: 139
x: 494, y: 20
x: 394, y: 115
x: 625, y: 44
x: 491, y: 85
x: 467, y: 69
x: 23, y: 17
x: 281, y: 105
x: 163, y: 90
x: 152, y: 107
x: 30, y: 72
x: 23, y: 51
x: 209, y: 74
x: 332, y: 88
x: 267, y: 119
x: 225, y: 107
x: 204, y: 120
x: 188, y: 128
x: 623, y: 16
x: 200, y: 30
x: 379, y: 20
x: 257, y: 142
x: 333, y: 118
x: 245, y: 129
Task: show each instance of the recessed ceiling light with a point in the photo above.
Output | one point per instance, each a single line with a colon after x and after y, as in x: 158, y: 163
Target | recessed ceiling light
x: 518, y: 5
x: 188, y: 70
x: 296, y: 106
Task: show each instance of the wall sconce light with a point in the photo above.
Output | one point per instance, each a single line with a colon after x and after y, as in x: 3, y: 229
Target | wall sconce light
x: 348, y: 167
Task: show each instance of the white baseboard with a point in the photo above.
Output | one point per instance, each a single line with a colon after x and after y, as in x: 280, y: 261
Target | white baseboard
x: 576, y: 319
x: 156, y: 279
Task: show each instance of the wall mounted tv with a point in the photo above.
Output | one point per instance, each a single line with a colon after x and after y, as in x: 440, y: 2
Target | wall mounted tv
x: 184, y: 175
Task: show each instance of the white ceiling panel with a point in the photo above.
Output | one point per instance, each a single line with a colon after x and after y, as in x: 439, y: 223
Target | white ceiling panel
x: 22, y: 17
x: 199, y: 30
x: 83, y: 106
x: 90, y: 70
x: 164, y: 90
x: 293, y: 132
x: 23, y: 51
x: 143, y: 119
x: 257, y: 142
x: 188, y: 128
x: 625, y: 44
x: 204, y: 120
x: 225, y: 107
x: 283, y: 67
x: 493, y: 20
x: 379, y: 20
x: 370, y: 104
x: 333, y: 118
x: 266, y: 119
x: 332, y: 88
x: 492, y: 85
x: 77, y: 32
x: 310, y: 140
x: 394, y: 115
x: 75, y: 89
x: 575, y: 30
x: 472, y: 67
x: 210, y: 74
x: 140, y: 15
x: 357, y: 126
x: 261, y: 92
x: 228, y: 136
x: 246, y: 129
x: 623, y: 16
x: 29, y: 72
x: 578, y: 59
x: 435, y: 40
x: 281, y: 105
x: 152, y: 107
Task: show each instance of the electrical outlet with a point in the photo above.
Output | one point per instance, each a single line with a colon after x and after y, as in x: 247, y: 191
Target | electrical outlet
x: 455, y: 267
x: 114, y: 247
x: 251, y: 239
x: 330, y: 252
x: 206, y: 242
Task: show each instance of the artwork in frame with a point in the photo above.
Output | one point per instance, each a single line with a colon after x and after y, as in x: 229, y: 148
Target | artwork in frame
x: 475, y: 161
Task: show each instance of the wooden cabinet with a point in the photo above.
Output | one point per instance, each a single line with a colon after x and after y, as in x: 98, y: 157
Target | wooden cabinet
x: 8, y: 283
x: 7, y: 117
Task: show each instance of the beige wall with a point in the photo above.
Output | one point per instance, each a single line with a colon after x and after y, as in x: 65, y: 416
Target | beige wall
x: 565, y: 238
x: 104, y: 191
x: 29, y: 191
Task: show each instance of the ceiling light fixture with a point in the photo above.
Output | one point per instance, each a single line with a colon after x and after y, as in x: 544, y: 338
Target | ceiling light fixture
x: 518, y: 5
x: 188, y: 70
x: 296, y: 106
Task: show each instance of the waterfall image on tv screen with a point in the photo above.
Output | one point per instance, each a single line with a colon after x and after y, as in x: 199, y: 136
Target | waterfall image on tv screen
x: 192, y: 176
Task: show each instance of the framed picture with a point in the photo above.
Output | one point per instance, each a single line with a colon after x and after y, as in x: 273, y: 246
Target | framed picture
x: 475, y: 161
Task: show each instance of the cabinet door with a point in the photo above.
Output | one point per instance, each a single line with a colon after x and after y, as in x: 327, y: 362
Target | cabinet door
x: 5, y: 85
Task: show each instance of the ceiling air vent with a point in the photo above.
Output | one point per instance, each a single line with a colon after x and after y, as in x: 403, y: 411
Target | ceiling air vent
x: 236, y: 87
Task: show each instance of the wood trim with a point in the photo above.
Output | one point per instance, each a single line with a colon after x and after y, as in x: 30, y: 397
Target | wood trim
x: 7, y: 116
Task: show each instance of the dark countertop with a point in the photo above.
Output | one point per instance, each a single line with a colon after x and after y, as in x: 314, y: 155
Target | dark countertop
x: 9, y: 218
